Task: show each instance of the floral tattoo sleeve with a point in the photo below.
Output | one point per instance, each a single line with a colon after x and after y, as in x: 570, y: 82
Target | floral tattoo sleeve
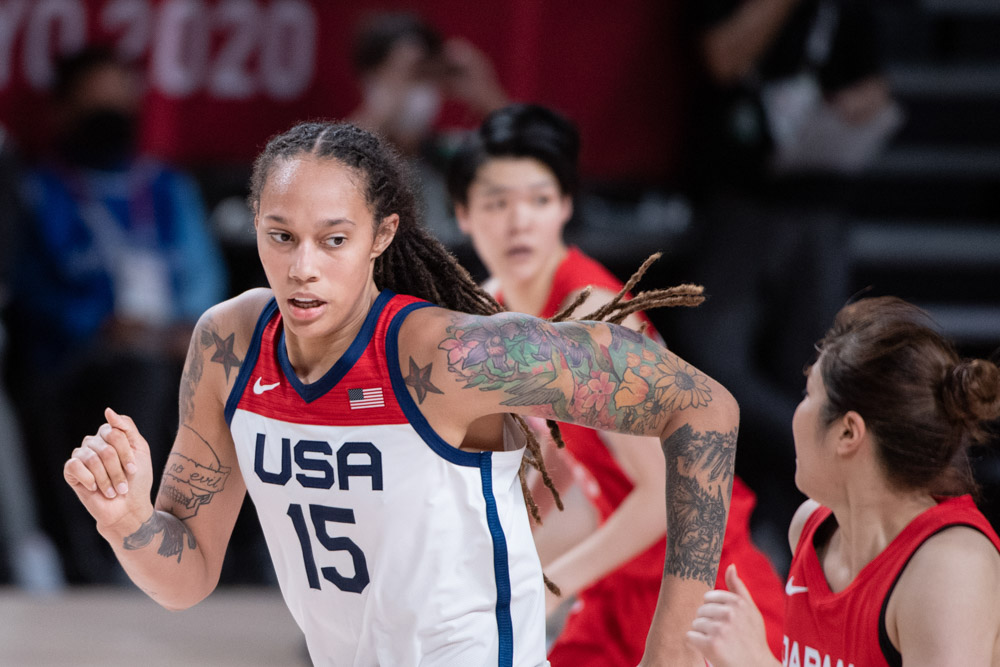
x: 617, y: 380
x: 620, y: 384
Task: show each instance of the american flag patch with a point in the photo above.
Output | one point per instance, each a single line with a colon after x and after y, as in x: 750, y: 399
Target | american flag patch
x: 365, y: 398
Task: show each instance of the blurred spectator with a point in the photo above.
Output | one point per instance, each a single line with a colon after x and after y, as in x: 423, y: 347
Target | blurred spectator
x: 790, y: 84
x: 116, y: 268
x: 792, y: 90
x: 407, y: 71
x: 26, y: 550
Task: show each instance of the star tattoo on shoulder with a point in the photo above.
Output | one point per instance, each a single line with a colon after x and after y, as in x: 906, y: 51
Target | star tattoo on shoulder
x: 420, y: 379
x: 224, y: 353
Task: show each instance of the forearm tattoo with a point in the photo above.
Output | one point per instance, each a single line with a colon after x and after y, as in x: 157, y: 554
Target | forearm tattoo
x: 699, y: 484
x: 173, y: 530
x: 628, y: 384
x: 188, y: 484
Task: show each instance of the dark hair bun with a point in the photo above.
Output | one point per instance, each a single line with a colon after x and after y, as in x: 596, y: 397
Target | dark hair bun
x: 972, y: 391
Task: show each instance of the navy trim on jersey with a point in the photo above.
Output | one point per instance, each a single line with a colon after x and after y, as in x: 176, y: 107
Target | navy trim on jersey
x: 249, y: 361
x: 501, y: 569
x: 410, y: 409
x: 481, y: 460
x: 310, y: 392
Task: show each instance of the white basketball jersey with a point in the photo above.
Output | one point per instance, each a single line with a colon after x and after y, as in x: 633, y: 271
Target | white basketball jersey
x: 391, y: 547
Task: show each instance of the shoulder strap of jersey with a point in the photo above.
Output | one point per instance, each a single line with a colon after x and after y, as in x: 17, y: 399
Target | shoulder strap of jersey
x: 809, y: 528
x: 250, y: 361
x: 960, y: 511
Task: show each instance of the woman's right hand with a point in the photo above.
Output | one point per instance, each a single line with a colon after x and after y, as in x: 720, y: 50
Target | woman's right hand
x: 729, y: 629
x: 112, y: 474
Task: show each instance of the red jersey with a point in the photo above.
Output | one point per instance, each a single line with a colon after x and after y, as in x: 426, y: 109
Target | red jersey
x: 847, y: 629
x: 610, y: 487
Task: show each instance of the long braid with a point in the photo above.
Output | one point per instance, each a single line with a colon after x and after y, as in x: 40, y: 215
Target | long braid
x: 637, y: 276
x: 617, y: 310
x: 565, y: 313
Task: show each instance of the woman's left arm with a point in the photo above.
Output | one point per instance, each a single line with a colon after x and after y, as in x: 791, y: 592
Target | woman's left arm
x: 945, y: 610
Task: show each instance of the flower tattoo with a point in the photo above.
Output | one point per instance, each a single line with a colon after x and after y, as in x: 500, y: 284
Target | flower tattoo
x: 619, y: 381
x: 681, y: 385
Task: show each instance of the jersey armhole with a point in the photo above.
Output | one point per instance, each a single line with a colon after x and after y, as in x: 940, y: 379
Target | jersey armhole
x: 891, y: 654
x: 812, y: 524
x: 250, y: 361
x: 410, y: 409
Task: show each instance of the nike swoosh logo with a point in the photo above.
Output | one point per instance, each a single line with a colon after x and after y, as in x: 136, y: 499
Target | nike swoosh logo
x: 259, y: 388
x: 792, y: 589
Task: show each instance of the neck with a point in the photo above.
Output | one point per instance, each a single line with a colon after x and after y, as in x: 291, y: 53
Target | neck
x: 868, y: 519
x: 313, y: 357
x: 530, y: 296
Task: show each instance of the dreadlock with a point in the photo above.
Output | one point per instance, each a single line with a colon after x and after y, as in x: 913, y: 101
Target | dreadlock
x: 417, y: 264
x: 620, y: 307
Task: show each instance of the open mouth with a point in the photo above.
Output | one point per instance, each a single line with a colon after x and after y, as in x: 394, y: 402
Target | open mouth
x: 306, y: 303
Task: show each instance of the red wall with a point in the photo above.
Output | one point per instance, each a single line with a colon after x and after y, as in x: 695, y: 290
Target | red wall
x: 223, y: 75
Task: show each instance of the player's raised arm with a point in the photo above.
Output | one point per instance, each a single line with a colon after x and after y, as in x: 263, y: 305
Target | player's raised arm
x: 174, y: 551
x: 610, y: 378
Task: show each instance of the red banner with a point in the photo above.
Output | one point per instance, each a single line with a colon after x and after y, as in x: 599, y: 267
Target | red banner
x: 224, y: 75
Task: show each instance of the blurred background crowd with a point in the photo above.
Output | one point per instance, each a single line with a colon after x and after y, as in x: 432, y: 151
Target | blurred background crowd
x: 787, y: 154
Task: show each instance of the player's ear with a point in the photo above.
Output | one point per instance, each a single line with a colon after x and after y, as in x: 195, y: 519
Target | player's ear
x: 462, y: 217
x: 852, y: 432
x: 566, y: 209
x: 384, y: 234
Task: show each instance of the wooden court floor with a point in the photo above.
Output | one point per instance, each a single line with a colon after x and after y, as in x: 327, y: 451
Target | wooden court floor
x: 118, y: 627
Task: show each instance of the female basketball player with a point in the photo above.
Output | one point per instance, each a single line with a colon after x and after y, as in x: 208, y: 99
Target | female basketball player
x: 370, y: 431
x: 512, y: 184
x: 891, y: 565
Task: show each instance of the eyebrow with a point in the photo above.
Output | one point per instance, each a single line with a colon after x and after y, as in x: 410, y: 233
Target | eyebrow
x: 330, y: 222
x: 495, y: 188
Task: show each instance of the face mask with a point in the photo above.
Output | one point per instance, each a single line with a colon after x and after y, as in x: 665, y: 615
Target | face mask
x: 100, y: 139
x: 418, y: 110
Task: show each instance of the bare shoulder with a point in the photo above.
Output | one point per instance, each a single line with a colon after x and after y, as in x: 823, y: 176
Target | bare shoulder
x: 944, y: 610
x: 802, y: 514
x: 423, y: 329
x: 956, y: 552
x: 240, y: 312
x: 218, y: 346
x: 235, y: 317
x: 431, y: 333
